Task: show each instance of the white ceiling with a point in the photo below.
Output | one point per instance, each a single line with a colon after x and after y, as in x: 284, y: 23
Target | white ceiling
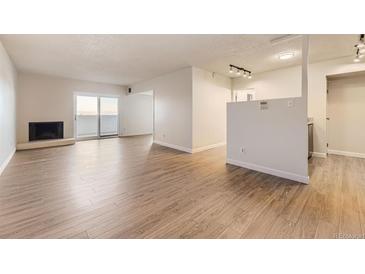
x: 127, y: 59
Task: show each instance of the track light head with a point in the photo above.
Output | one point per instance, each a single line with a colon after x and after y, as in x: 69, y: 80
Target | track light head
x: 360, y: 45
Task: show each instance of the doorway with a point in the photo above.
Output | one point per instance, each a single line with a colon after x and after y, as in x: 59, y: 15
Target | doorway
x: 96, y: 116
x: 244, y: 95
x: 345, y: 114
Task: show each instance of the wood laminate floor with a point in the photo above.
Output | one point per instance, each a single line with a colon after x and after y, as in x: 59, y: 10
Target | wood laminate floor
x: 129, y: 188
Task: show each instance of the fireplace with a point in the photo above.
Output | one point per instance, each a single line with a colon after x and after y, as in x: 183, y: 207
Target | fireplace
x: 45, y: 130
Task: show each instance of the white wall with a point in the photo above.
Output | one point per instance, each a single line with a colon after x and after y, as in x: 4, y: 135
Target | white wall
x: 211, y: 92
x: 273, y: 140
x: 137, y: 114
x: 276, y: 84
x: 44, y: 98
x: 346, y: 109
x: 190, y: 108
x: 271, y: 136
x: 173, y: 107
x: 8, y: 87
x: 283, y: 83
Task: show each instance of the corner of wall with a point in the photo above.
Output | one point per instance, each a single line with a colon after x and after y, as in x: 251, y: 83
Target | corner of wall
x: 4, y: 164
x: 8, y: 100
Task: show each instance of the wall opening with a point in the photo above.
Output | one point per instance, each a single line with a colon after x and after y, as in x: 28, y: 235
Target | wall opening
x: 345, y: 114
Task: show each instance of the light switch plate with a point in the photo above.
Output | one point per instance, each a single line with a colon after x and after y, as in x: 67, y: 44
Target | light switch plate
x: 263, y: 105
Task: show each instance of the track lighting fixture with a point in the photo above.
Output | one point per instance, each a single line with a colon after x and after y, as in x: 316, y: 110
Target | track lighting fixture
x: 360, y: 49
x: 358, y: 56
x: 240, y: 71
x: 360, y: 45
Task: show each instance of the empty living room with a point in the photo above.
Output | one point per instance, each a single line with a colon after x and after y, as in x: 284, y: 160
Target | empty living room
x: 128, y: 135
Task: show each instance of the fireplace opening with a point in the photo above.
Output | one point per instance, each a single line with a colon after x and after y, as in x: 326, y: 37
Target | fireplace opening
x: 45, y: 130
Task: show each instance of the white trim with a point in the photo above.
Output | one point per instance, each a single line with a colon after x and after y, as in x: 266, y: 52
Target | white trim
x: 47, y: 143
x: 6, y: 161
x: 199, y: 149
x: 185, y: 149
x: 275, y: 172
x: 131, y: 135
x: 346, y: 153
x: 319, y: 154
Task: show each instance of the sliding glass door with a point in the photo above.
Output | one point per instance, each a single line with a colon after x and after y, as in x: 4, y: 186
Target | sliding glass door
x: 87, y: 118
x: 108, y: 116
x: 96, y: 116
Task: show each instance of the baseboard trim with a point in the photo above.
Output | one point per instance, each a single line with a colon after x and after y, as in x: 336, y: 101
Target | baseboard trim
x: 185, y: 149
x: 7, y: 160
x: 47, y: 143
x: 319, y: 154
x: 199, y: 149
x: 346, y: 153
x: 132, y: 135
x: 275, y: 172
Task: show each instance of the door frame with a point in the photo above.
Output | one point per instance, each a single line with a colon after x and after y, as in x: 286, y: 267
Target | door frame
x: 328, y: 118
x: 98, y: 95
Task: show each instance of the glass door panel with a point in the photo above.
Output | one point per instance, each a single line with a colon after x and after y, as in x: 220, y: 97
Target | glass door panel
x: 108, y: 116
x: 87, y: 117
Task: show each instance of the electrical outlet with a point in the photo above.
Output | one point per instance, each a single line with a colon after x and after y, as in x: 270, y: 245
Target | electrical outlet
x: 243, y: 150
x: 290, y: 103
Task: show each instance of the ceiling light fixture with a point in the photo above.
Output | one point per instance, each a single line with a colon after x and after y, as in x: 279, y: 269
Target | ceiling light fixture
x: 240, y: 71
x: 361, y: 44
x: 286, y: 55
x: 357, y: 59
x: 358, y: 56
x: 360, y: 49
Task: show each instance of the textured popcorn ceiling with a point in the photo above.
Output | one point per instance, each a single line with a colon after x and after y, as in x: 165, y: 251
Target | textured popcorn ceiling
x: 127, y: 59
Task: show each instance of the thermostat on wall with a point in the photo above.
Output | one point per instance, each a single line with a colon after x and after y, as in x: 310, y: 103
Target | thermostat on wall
x: 264, y: 105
